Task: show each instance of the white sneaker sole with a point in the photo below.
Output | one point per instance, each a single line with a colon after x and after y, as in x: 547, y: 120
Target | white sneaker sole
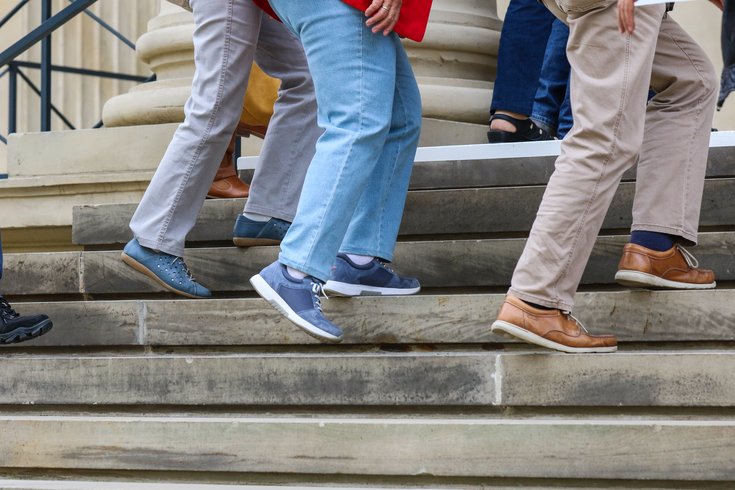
x: 502, y: 327
x: 272, y: 297
x: 636, y: 279
x: 349, y: 290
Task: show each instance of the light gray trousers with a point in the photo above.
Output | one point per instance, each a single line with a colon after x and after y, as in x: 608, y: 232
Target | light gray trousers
x: 229, y: 36
x: 613, y: 130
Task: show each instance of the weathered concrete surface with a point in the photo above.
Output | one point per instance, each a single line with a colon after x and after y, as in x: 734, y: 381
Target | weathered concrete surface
x: 41, y: 273
x: 643, y: 449
x: 634, y: 316
x: 88, y: 151
x: 445, y: 263
x: 525, y: 171
x: 121, y: 484
x: 435, y: 212
x: 695, y: 378
x: 528, y: 377
x: 373, y: 378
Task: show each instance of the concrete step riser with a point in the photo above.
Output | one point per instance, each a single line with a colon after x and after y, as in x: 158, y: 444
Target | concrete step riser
x: 492, y: 210
x: 637, y: 316
x: 461, y: 263
x: 540, y: 448
x: 374, y: 378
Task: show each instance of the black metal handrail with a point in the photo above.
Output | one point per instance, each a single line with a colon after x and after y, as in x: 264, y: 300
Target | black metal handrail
x: 42, y: 34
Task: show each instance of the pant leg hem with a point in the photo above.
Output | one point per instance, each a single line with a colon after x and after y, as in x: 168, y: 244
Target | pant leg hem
x: 387, y: 257
x: 300, y: 266
x: 560, y: 305
x: 160, y: 247
x: 265, y: 211
x: 671, y: 230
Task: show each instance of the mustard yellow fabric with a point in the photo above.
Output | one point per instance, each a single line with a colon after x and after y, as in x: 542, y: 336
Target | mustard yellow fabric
x: 257, y: 108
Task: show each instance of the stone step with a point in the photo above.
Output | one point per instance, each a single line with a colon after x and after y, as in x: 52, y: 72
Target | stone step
x: 634, y: 316
x: 434, y: 212
x: 693, y: 377
x: 120, y: 484
x: 438, y: 264
x: 601, y: 448
x: 466, y: 166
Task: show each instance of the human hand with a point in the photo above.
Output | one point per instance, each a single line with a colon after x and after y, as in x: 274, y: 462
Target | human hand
x: 626, y: 16
x: 383, y: 15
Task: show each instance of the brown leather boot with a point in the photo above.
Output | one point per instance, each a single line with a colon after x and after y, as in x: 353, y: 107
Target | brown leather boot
x: 226, y: 183
x: 675, y: 268
x: 553, y: 329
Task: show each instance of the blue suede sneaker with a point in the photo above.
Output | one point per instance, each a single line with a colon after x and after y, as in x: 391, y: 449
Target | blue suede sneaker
x: 296, y: 299
x: 249, y: 233
x: 371, y: 279
x: 167, y: 270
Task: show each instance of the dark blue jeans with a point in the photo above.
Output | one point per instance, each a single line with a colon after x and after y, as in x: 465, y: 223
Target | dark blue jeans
x: 728, y: 52
x: 526, y: 29
x: 552, y: 109
x: 523, y: 56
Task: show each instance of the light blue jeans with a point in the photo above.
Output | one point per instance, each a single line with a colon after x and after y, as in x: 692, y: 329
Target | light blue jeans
x: 370, y: 109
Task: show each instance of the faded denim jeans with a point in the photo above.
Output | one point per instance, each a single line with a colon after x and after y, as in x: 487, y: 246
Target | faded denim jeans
x: 370, y: 110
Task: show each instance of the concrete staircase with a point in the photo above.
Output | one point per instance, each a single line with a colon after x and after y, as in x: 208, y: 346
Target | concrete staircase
x: 137, y: 389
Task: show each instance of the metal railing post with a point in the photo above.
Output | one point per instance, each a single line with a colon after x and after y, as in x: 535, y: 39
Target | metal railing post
x: 46, y: 70
x: 12, y: 98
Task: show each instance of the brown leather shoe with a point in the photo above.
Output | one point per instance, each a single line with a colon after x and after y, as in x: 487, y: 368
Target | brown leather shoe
x: 673, y: 269
x: 227, y: 184
x: 552, y: 329
x: 245, y: 130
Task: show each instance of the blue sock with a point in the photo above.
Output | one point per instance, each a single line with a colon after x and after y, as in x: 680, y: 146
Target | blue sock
x: 653, y: 240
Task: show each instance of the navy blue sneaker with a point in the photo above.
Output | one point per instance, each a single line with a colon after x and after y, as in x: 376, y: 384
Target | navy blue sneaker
x: 371, y: 279
x: 167, y: 270
x: 15, y: 328
x: 296, y: 299
x: 249, y: 233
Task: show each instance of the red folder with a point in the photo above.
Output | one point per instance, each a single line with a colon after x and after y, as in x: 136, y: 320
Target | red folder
x: 411, y: 23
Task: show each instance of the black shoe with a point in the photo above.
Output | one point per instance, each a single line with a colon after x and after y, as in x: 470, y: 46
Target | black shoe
x: 526, y: 130
x: 15, y: 328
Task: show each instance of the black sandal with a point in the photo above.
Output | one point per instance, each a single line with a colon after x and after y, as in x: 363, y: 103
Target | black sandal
x: 526, y: 130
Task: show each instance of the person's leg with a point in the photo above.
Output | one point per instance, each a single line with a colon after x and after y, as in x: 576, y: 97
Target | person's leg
x: 553, y: 80
x: 672, y: 165
x: 611, y: 73
x: 523, y: 42
x: 355, y: 77
x: 225, y: 38
x: 354, y: 74
x: 293, y: 131
x: 289, y: 143
x: 374, y: 226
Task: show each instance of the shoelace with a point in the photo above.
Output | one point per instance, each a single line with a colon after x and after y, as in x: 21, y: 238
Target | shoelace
x: 186, y: 269
x: 318, y: 290
x: 691, y: 260
x: 7, y: 310
x: 569, y: 315
x: 385, y: 266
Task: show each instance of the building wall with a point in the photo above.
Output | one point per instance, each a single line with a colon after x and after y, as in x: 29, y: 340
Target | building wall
x: 81, y: 43
x: 82, y: 98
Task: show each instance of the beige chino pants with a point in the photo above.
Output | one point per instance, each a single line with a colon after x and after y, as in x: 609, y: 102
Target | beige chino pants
x: 613, y: 130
